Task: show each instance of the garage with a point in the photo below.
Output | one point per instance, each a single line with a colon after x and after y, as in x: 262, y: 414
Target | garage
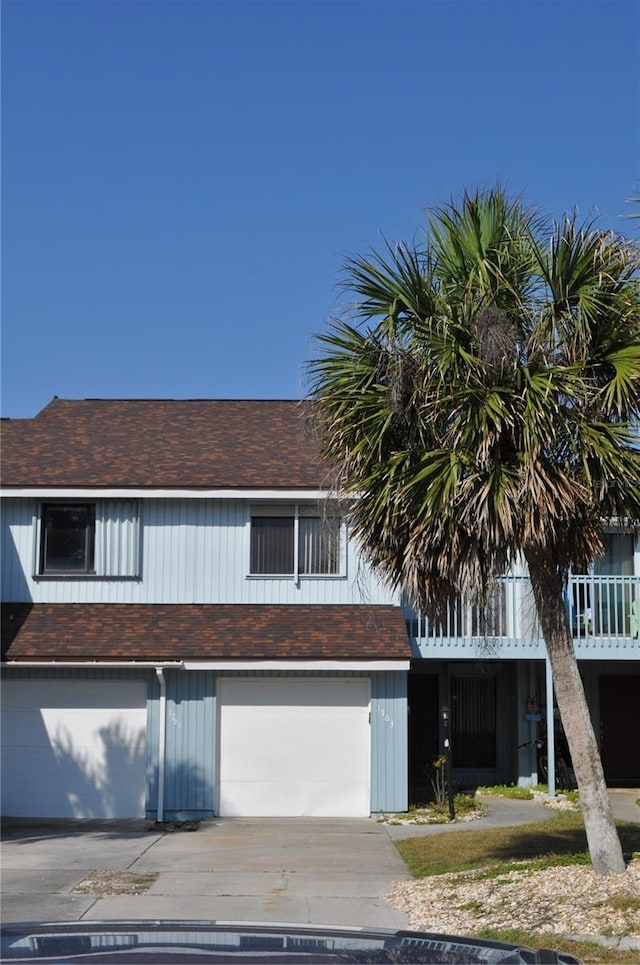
x: 73, y: 748
x: 292, y: 746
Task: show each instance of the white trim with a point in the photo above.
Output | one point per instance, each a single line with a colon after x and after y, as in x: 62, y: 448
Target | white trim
x: 286, y: 495
x: 91, y: 664
x: 296, y: 665
x: 218, y: 664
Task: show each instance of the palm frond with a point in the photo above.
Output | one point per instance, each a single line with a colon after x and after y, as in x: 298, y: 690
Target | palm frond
x: 393, y: 287
x: 483, y: 400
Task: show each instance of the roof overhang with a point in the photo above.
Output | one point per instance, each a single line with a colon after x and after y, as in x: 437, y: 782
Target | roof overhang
x: 52, y: 492
x: 217, y: 665
x: 297, y: 665
x: 97, y: 664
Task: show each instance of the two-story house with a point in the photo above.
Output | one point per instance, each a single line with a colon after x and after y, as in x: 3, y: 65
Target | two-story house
x: 188, y: 630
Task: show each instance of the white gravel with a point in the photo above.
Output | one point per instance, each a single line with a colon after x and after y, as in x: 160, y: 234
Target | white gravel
x: 571, y: 900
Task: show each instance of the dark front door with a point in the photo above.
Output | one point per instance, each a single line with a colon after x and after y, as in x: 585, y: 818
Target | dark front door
x: 620, y: 729
x: 423, y: 729
x: 474, y: 721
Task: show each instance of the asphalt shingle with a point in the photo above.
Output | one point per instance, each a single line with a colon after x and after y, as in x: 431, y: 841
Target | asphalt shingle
x: 117, y: 632
x: 164, y: 444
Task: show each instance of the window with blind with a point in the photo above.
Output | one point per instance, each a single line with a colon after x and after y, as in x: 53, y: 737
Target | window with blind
x: 292, y: 541
x: 89, y: 539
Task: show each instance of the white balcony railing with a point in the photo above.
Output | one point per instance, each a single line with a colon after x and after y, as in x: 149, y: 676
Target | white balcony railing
x: 604, y: 606
x: 599, y: 609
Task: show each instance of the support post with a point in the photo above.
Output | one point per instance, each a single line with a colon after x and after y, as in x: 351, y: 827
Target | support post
x: 551, y: 733
x: 446, y: 730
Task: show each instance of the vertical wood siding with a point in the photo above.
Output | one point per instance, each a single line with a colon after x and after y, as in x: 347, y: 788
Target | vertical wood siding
x: 117, y: 538
x: 389, y: 742
x: 191, y: 741
x: 189, y: 766
x: 184, y: 551
x: 18, y: 538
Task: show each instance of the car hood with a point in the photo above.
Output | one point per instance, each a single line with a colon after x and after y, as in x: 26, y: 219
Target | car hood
x: 202, y: 942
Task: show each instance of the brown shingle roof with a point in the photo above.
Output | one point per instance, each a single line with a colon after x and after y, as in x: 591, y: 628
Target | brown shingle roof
x: 113, y: 631
x: 162, y: 443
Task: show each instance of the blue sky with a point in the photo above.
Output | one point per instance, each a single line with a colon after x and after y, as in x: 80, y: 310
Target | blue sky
x: 182, y: 179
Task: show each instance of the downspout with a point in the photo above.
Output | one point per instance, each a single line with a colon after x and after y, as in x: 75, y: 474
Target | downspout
x: 551, y: 733
x: 162, y: 742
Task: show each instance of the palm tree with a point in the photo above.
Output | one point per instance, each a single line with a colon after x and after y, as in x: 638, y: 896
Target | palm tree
x: 480, y: 410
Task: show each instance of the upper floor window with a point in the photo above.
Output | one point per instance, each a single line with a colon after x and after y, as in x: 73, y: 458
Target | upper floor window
x: 319, y: 544
x: 68, y: 538
x: 89, y: 538
x: 294, y: 541
x: 617, y: 559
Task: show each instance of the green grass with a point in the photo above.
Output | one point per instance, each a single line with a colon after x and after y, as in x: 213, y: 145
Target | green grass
x: 508, y: 790
x: 588, y: 952
x: 524, y: 793
x: 625, y: 903
x: 498, y: 871
x: 560, y: 839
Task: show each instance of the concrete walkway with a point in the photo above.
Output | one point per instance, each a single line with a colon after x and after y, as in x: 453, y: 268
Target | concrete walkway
x: 504, y: 812
x: 329, y: 871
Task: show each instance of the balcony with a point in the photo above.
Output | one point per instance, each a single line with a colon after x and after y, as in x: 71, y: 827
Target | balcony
x: 603, y: 613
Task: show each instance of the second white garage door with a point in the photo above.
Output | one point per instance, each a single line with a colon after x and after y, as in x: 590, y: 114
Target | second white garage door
x: 74, y: 748
x: 291, y: 746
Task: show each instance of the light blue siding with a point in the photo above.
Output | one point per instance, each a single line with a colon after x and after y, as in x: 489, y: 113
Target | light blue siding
x: 197, y: 551
x: 184, y: 551
x: 189, y: 754
x: 117, y: 538
x: 389, y: 751
x: 191, y: 743
x: 189, y: 760
x: 18, y: 547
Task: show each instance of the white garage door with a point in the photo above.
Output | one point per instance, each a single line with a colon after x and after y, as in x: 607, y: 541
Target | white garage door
x: 73, y: 748
x: 294, y: 746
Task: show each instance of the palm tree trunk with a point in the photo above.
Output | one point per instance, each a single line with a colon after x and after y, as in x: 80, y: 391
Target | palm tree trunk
x: 548, y: 593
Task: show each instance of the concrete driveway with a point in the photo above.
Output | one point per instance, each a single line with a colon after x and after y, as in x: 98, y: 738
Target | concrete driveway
x: 325, y: 871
